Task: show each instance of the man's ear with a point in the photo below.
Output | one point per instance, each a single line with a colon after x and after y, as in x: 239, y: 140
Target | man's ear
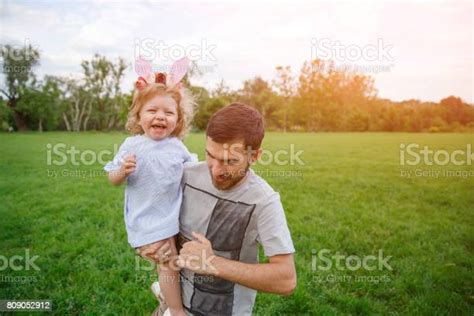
x: 255, y: 155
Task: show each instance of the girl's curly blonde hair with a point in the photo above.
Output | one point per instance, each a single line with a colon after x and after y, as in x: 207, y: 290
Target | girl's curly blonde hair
x: 182, y: 96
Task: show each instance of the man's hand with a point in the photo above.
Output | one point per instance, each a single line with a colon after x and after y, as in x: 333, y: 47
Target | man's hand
x: 197, y: 255
x: 277, y: 276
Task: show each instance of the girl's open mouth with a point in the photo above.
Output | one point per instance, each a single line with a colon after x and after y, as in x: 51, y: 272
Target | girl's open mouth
x: 158, y: 127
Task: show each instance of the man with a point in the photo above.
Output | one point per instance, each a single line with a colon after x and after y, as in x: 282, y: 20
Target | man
x: 227, y: 210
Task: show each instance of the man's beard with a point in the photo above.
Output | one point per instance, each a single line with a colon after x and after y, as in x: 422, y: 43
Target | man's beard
x: 229, y: 180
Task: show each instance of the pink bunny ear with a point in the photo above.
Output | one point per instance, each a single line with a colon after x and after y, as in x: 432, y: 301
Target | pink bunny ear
x: 140, y: 83
x: 143, y: 67
x: 178, y: 71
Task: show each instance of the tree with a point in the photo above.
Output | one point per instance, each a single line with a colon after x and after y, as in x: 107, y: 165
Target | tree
x: 40, y: 102
x: 207, y: 106
x: 102, y: 80
x: 258, y: 93
x: 5, y: 115
x: 327, y: 95
x: 18, y: 66
x: 76, y: 104
x: 285, y: 86
x: 455, y: 110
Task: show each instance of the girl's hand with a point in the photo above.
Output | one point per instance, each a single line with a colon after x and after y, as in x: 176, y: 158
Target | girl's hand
x: 159, y: 252
x: 119, y: 176
x: 129, y: 165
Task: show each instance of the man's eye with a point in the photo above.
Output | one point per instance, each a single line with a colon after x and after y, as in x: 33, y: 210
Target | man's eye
x: 211, y: 157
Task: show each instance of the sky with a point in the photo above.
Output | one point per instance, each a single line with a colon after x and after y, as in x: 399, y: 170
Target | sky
x: 412, y: 49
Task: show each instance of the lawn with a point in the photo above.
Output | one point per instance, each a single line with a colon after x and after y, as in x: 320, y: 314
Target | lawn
x: 347, y: 199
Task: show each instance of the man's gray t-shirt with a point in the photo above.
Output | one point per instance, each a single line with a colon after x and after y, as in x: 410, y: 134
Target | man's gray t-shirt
x: 234, y: 221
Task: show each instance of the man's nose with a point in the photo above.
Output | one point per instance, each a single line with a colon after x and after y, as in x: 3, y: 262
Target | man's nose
x: 217, y: 169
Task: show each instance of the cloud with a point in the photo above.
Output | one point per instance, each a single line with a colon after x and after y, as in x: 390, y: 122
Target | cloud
x: 432, y: 41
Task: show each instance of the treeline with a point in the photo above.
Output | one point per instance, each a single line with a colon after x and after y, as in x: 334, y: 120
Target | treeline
x: 321, y: 97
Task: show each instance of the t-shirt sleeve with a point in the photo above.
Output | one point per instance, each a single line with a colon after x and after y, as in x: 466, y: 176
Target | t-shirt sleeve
x: 273, y: 232
x: 187, y: 156
x: 124, y: 150
x: 190, y: 158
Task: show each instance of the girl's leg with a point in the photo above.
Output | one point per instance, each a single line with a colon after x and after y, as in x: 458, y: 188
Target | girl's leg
x: 168, y: 276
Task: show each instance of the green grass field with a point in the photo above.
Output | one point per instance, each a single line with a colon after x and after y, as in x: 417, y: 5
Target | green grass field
x: 349, y: 197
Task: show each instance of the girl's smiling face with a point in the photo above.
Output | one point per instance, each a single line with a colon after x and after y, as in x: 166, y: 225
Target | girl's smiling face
x: 158, y: 117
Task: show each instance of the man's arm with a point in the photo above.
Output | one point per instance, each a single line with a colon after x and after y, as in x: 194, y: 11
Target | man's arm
x: 278, y: 276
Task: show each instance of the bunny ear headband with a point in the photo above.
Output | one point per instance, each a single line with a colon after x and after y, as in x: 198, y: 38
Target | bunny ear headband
x: 146, y: 76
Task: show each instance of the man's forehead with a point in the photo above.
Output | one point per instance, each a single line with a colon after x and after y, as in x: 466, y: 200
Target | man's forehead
x: 229, y: 147
x: 226, y: 144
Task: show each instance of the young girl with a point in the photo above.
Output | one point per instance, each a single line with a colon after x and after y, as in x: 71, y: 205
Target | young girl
x: 152, y: 164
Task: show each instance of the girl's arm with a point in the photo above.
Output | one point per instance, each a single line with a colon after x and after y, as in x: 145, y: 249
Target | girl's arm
x: 117, y: 177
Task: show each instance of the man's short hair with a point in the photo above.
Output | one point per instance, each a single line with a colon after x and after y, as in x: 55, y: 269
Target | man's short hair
x: 234, y: 122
